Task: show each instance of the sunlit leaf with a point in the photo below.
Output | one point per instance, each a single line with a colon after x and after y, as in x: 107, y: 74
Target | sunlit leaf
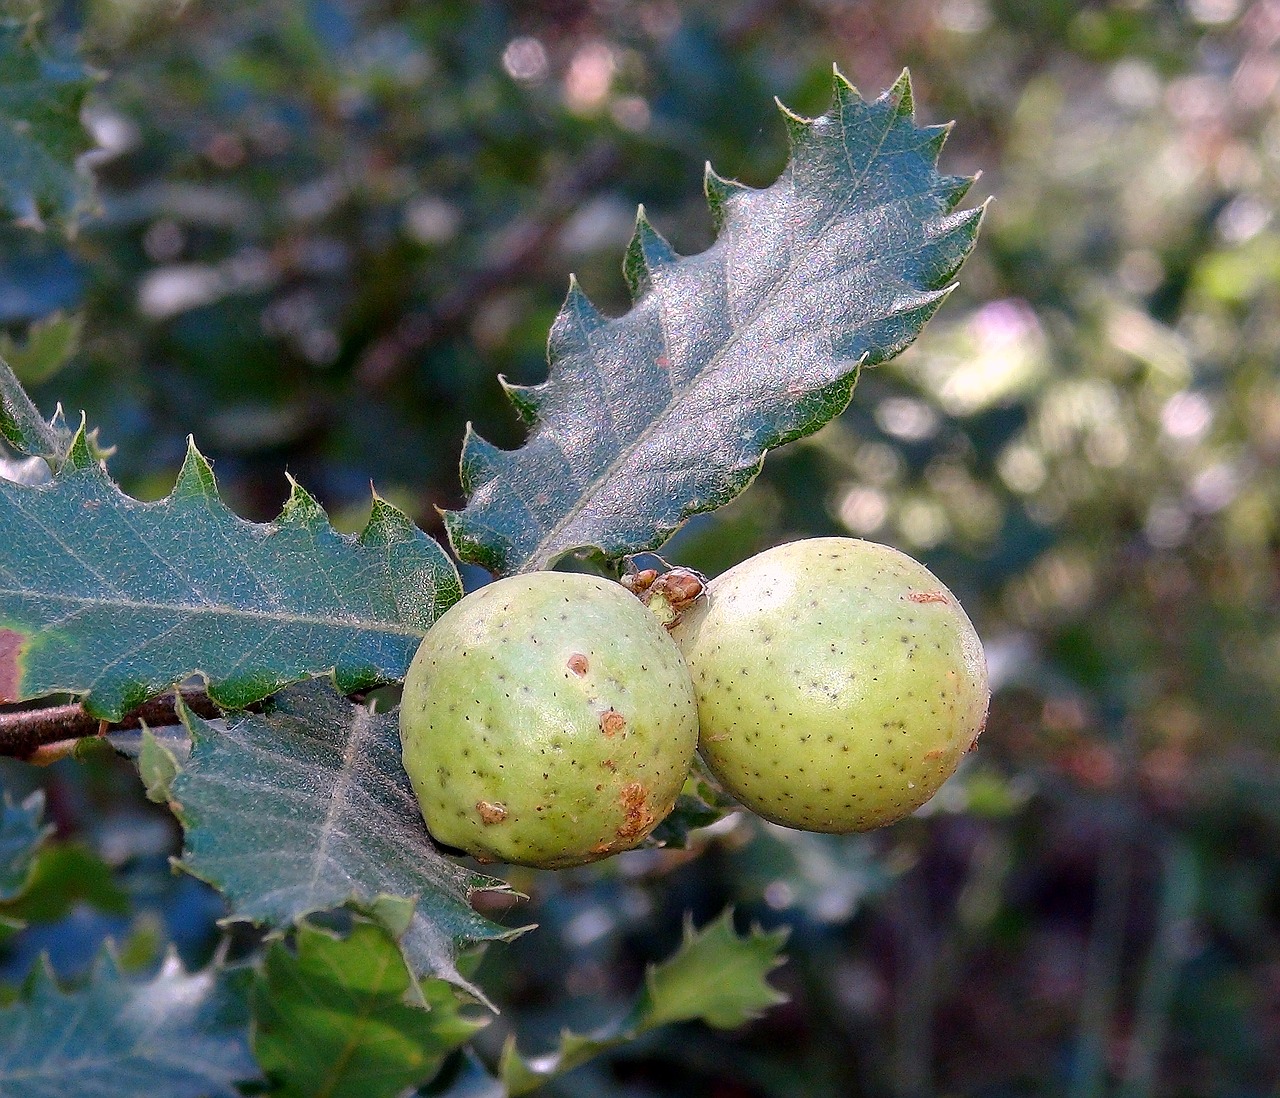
x: 51, y: 343
x: 716, y: 976
x: 668, y: 410
x: 62, y: 875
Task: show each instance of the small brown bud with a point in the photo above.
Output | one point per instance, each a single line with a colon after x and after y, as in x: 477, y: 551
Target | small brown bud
x: 640, y: 582
x: 681, y: 587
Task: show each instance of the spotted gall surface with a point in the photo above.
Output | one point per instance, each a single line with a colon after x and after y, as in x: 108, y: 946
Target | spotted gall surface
x: 839, y: 683
x: 548, y: 720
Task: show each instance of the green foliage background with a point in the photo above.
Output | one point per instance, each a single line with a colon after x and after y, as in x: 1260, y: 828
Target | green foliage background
x: 325, y: 227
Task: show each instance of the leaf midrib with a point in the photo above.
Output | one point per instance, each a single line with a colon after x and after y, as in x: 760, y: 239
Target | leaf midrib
x: 379, y: 625
x: 592, y: 489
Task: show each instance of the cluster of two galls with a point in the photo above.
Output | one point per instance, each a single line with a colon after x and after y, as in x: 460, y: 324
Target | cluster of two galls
x: 550, y: 719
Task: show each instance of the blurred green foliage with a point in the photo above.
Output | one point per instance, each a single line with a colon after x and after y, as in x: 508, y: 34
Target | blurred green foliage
x: 327, y: 225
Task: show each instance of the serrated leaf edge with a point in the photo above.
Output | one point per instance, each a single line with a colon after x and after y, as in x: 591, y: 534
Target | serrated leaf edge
x: 646, y: 254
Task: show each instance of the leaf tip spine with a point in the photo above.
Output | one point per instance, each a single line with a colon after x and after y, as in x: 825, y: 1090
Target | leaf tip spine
x: 577, y: 316
x: 301, y: 507
x: 481, y: 460
x: 647, y: 253
x: 902, y: 96
x: 720, y: 191
x: 843, y: 90
x: 524, y: 398
x: 79, y: 454
x: 196, y: 475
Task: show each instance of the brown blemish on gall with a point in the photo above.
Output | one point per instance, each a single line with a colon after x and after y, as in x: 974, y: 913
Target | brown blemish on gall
x: 927, y: 596
x: 633, y: 800
x: 10, y: 664
x: 612, y: 722
x: 491, y: 812
x: 578, y: 664
x: 936, y: 753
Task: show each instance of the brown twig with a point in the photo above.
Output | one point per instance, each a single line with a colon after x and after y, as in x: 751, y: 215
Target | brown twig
x: 23, y: 732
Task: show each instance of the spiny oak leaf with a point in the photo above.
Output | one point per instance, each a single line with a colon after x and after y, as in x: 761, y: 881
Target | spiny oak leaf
x: 716, y: 976
x: 115, y: 600
x: 667, y: 411
x: 179, y: 1034
x: 307, y: 808
x: 24, y: 429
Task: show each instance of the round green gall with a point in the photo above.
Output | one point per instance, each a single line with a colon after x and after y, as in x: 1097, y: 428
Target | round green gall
x: 839, y: 683
x: 547, y: 720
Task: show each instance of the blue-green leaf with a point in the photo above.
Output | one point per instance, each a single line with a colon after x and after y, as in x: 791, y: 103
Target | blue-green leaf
x: 115, y: 600
x: 307, y: 808
x: 667, y: 411
x: 181, y: 1035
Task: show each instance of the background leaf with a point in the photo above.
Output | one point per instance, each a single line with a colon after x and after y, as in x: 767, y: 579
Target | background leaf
x: 116, y: 600
x: 63, y: 875
x: 50, y: 344
x: 307, y: 808
x: 668, y: 410
x: 179, y: 1034
x: 40, y: 131
x: 336, y: 1017
x: 716, y: 976
x: 22, y: 832
x: 699, y: 805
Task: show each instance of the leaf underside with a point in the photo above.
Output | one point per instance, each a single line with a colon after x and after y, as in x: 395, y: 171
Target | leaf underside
x: 41, y: 136
x: 181, y: 1035
x: 667, y: 411
x: 307, y: 808
x: 115, y: 600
